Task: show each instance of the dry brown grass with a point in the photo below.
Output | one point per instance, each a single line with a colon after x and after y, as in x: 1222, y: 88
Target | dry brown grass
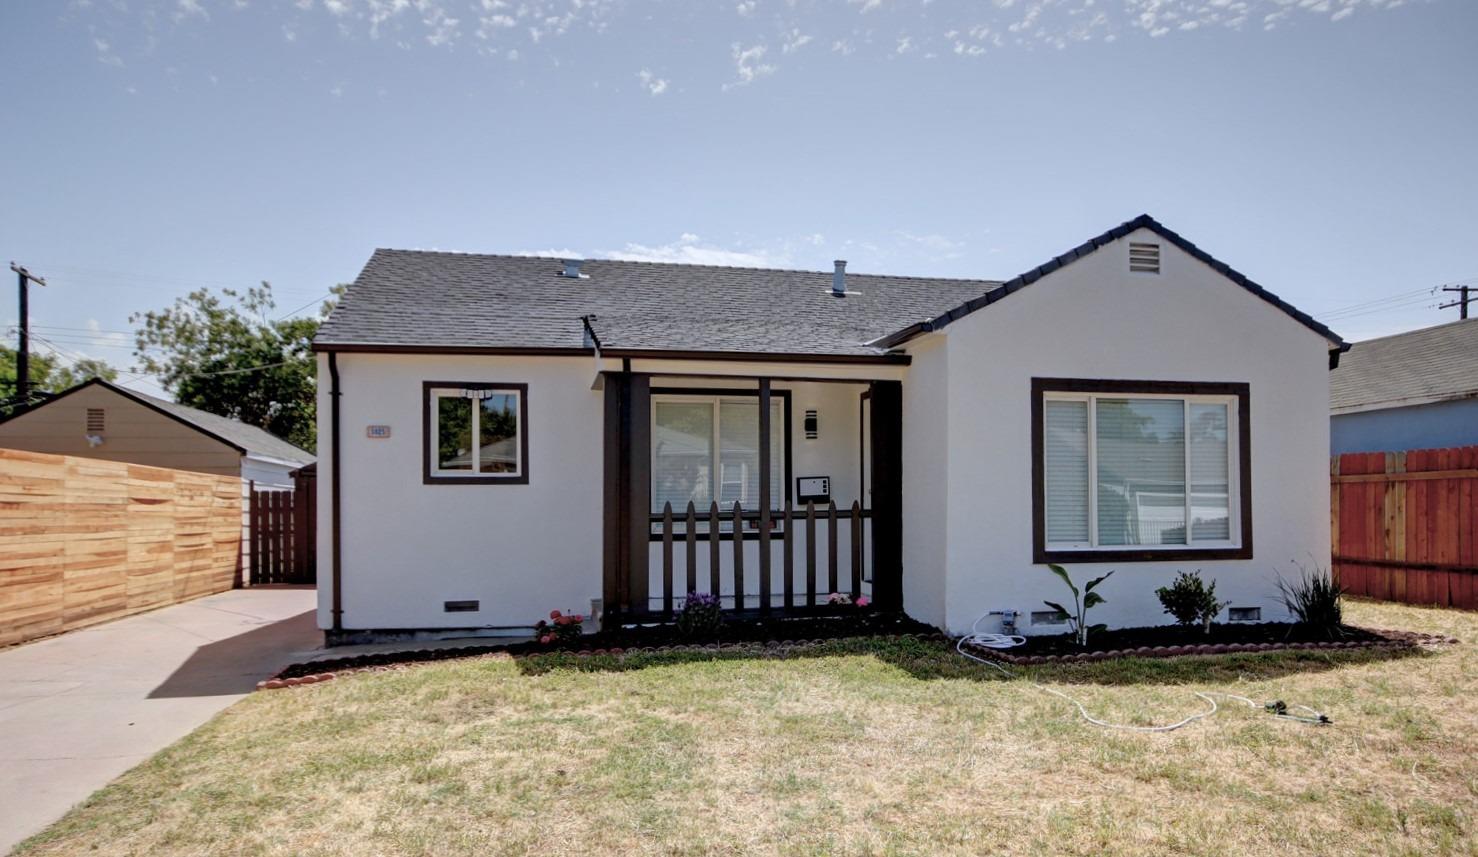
x: 867, y: 748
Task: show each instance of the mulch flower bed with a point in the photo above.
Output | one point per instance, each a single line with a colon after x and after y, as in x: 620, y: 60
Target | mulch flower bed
x: 776, y: 637
x: 1174, y: 641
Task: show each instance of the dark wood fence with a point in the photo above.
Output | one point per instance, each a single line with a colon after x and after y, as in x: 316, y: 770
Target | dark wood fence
x: 281, y: 529
x: 1405, y: 526
x: 736, y: 523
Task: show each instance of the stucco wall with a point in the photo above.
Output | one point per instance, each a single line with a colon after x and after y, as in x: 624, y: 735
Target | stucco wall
x: 521, y: 550
x: 132, y: 433
x: 926, y: 467
x: 1434, y: 426
x: 1094, y: 319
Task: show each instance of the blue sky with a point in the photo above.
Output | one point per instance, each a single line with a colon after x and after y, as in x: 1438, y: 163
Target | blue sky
x: 1326, y: 148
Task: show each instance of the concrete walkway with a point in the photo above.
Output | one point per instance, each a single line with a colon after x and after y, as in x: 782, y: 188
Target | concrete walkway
x: 79, y: 709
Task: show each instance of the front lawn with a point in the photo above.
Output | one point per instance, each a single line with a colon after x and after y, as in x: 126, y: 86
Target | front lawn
x: 855, y: 748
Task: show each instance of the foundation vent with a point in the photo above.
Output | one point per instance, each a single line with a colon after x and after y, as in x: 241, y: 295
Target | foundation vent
x: 1144, y: 258
x: 1244, y: 614
x: 460, y: 606
x: 1048, y: 617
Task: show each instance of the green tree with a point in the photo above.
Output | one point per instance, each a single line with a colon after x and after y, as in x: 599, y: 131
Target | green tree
x: 47, y: 375
x: 225, y: 354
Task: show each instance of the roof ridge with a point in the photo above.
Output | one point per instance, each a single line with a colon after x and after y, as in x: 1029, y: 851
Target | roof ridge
x: 559, y: 259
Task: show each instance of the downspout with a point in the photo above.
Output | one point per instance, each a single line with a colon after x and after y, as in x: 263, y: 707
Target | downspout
x: 334, y: 537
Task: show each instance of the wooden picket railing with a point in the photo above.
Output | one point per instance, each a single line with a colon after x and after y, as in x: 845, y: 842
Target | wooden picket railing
x: 764, y: 521
x: 1405, y: 525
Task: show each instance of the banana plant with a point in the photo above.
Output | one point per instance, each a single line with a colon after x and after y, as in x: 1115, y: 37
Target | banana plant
x: 1082, y: 601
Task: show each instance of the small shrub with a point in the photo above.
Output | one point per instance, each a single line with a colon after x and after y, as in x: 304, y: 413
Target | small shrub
x: 701, y: 616
x: 561, y: 629
x: 1316, y: 600
x: 1191, y: 601
x: 843, y: 599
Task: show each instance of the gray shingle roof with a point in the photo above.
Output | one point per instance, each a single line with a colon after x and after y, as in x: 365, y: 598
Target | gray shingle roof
x: 1434, y: 364
x: 411, y: 299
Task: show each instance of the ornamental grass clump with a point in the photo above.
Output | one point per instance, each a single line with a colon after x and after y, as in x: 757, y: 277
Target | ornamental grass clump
x: 1316, y: 600
x: 701, y: 616
x: 560, y: 629
x: 1191, y: 601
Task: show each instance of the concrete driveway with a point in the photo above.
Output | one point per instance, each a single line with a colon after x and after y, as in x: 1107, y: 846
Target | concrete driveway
x: 79, y: 709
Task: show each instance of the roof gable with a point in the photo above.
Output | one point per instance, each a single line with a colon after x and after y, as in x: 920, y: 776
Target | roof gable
x: 1144, y: 221
x: 245, y: 439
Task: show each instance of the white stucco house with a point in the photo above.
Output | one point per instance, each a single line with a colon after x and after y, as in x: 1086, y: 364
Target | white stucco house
x: 501, y: 436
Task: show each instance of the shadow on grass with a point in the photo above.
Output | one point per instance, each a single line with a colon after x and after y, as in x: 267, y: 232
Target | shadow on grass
x: 933, y: 659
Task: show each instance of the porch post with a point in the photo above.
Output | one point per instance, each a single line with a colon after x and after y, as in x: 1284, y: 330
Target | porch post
x: 626, y: 495
x: 886, y: 424
x: 639, y: 491
x: 613, y: 535
x: 764, y: 541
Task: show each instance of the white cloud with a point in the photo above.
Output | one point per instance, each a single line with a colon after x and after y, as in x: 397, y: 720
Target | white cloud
x: 934, y: 246
x: 105, y: 52
x: 189, y: 9
x: 689, y: 249
x: 745, y: 8
x: 793, y: 40
x: 653, y: 84
x: 749, y: 65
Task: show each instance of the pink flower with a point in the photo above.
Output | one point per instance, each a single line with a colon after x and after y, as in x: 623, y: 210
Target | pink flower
x: 577, y: 618
x: 546, y: 639
x: 863, y: 601
x: 554, y: 614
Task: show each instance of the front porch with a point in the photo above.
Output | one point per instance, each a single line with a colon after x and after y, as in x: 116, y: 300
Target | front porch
x: 772, y: 492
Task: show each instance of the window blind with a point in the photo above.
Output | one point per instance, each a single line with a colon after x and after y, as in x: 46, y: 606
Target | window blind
x: 1065, y: 469
x: 739, y: 454
x: 1211, y: 518
x: 682, y: 455
x: 1140, y: 449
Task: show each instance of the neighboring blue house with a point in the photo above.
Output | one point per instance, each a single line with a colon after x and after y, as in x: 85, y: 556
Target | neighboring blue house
x: 1415, y: 390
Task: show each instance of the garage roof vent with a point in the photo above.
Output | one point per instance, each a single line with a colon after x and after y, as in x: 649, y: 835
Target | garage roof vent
x: 1144, y: 258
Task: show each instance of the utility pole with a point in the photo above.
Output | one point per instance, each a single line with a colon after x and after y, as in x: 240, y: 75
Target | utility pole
x: 1462, y: 302
x: 23, y: 351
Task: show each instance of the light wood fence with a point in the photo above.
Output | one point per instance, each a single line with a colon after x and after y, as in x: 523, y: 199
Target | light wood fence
x: 1405, y: 525
x: 84, y: 541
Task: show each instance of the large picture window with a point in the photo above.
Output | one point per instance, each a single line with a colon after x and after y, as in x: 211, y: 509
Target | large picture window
x: 706, y: 448
x: 476, y: 432
x: 1140, y: 470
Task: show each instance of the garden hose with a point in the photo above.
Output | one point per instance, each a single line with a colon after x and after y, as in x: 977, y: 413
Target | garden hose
x: 1277, y: 708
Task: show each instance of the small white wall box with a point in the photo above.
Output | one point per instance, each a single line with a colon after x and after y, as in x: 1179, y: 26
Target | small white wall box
x: 812, y: 489
x: 377, y: 432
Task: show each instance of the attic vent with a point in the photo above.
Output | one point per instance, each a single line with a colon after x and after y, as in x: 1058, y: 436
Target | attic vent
x: 572, y: 270
x: 95, y: 421
x: 1144, y: 258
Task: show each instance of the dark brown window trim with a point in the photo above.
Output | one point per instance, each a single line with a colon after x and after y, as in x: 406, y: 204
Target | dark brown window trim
x: 428, y: 477
x: 1041, y: 386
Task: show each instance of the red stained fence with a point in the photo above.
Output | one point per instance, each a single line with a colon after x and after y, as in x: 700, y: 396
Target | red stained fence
x: 1405, y: 525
